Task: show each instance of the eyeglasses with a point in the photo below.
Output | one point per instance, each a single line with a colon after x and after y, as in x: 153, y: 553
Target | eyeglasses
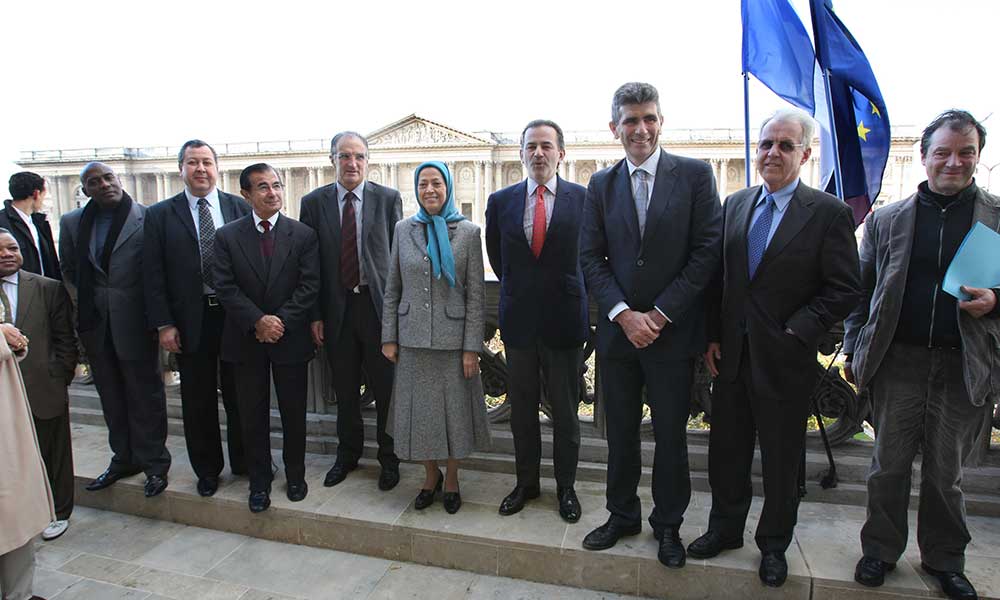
x: 784, y: 145
x: 346, y: 156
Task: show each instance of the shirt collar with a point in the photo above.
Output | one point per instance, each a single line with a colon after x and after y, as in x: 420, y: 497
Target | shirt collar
x: 273, y: 220
x: 550, y: 185
x: 781, y: 197
x: 212, y: 197
x: 24, y: 216
x: 11, y: 279
x: 358, y: 191
x: 649, y: 166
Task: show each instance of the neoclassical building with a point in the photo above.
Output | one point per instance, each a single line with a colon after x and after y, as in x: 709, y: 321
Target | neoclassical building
x: 481, y: 162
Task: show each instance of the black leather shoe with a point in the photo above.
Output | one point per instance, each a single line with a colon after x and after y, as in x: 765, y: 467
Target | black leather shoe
x: 569, y: 504
x: 452, y: 501
x: 671, y: 553
x: 607, y: 535
x: 259, y: 501
x: 710, y: 544
x: 388, y: 478
x: 871, y: 571
x: 108, y: 478
x: 515, y: 500
x: 296, y: 492
x: 207, y: 486
x: 426, y: 497
x: 337, y: 473
x: 773, y: 569
x: 155, y: 485
x: 953, y: 583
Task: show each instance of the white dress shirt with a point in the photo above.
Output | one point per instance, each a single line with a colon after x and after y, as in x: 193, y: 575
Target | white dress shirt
x: 529, y: 206
x: 10, y: 288
x: 36, y: 236
x: 359, y: 192
x: 257, y: 221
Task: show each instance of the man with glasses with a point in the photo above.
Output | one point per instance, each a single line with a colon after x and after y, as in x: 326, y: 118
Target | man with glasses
x: 789, y: 272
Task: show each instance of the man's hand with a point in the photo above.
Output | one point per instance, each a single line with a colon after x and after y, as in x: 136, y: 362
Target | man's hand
x: 15, y: 339
x: 983, y: 301
x: 639, y: 328
x: 170, y: 339
x: 316, y: 328
x: 713, y: 354
x: 657, y: 317
x: 470, y: 364
x: 390, y: 350
x: 269, y: 329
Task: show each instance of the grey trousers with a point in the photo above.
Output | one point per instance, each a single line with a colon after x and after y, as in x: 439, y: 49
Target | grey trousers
x: 920, y: 402
x: 17, y: 572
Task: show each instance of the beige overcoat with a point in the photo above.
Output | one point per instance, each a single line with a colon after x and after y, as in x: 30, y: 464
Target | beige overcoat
x: 25, y: 497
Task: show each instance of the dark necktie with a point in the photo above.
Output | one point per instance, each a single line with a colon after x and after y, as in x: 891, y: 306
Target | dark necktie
x: 6, y: 317
x: 349, y: 269
x: 641, y: 198
x: 757, y: 238
x: 538, y: 224
x: 266, y: 240
x: 206, y: 242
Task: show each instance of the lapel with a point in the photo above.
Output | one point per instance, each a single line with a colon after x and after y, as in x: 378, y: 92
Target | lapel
x: 228, y: 207
x: 15, y: 220
x: 27, y: 289
x: 622, y: 191
x: 901, y: 240
x: 282, y: 248
x: 367, y: 214
x: 561, y: 213
x: 514, y: 210
x: 738, y: 224
x: 797, y: 214
x: 417, y: 234
x: 249, y: 240
x: 663, y: 186
x: 986, y: 212
x: 179, y: 204
x: 132, y: 224
x: 330, y: 207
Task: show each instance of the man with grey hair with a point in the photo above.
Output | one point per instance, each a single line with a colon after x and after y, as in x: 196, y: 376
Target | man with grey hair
x: 354, y: 220
x: 789, y: 272
x: 650, y: 244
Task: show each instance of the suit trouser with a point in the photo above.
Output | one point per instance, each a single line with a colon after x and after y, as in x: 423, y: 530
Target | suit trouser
x: 201, y: 372
x: 253, y: 390
x: 668, y: 395
x: 557, y: 370
x: 135, y: 408
x: 57, y: 452
x: 360, y: 346
x: 920, y: 401
x: 17, y: 572
x: 739, y: 414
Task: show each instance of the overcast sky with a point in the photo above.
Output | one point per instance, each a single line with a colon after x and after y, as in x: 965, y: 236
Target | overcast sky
x: 116, y: 73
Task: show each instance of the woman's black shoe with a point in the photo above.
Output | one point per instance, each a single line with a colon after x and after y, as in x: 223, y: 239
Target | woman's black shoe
x: 452, y: 502
x: 426, y: 497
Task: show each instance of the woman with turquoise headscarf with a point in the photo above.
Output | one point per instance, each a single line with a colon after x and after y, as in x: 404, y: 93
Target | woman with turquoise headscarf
x: 432, y: 328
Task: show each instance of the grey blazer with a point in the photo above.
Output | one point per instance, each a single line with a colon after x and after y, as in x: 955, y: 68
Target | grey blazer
x: 885, y: 258
x: 423, y: 312
x: 119, y: 293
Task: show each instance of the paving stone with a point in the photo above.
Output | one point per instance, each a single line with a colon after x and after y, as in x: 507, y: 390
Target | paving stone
x: 402, y: 581
x: 99, y: 568
x: 88, y: 589
x: 48, y: 583
x: 182, y: 587
x: 192, y: 551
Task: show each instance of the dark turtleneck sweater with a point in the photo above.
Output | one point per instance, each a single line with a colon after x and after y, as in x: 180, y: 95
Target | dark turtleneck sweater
x: 929, y: 315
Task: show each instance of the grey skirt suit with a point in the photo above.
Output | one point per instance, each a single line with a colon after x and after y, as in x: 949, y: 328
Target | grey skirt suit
x: 436, y: 413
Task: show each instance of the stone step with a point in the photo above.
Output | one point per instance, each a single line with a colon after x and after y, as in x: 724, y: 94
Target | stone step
x: 534, y: 544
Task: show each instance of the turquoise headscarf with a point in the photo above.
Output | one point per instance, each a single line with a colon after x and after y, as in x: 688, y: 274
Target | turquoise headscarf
x: 438, y: 245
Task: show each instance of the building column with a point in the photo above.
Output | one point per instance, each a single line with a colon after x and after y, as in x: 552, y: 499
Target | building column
x: 487, y: 178
x: 497, y: 175
x: 478, y: 206
x: 571, y: 171
x: 394, y: 175
x: 161, y: 186
x: 312, y: 178
x: 286, y: 179
x: 723, y: 176
x: 562, y: 169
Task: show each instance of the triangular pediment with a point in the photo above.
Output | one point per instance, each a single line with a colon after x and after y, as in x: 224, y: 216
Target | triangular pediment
x: 413, y: 131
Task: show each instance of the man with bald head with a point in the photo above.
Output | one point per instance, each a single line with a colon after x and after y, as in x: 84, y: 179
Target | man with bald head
x: 100, y: 249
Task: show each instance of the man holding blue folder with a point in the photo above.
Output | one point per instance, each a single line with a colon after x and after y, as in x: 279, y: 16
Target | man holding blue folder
x: 930, y: 361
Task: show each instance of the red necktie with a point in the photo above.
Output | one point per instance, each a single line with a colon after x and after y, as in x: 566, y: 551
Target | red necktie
x: 349, y: 269
x: 266, y: 240
x: 538, y: 225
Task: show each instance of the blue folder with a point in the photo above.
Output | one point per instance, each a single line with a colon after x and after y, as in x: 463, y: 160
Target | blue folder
x: 976, y: 264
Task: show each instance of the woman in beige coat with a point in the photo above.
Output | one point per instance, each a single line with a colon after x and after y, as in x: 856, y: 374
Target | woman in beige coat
x: 432, y: 328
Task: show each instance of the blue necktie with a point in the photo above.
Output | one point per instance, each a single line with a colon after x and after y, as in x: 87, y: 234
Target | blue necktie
x: 757, y: 238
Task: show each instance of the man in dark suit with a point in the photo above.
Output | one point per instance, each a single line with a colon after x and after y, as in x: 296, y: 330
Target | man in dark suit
x: 22, y: 216
x: 533, y: 241
x: 651, y: 239
x: 100, y: 248
x: 179, y: 254
x: 789, y: 272
x: 41, y: 310
x: 267, y: 278
x: 354, y: 220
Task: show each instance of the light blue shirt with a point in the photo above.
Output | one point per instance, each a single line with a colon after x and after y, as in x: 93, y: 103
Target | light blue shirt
x: 214, y: 208
x: 781, y: 199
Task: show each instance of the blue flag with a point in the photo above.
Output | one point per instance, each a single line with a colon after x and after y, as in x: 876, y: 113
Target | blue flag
x: 860, y: 119
x: 778, y: 52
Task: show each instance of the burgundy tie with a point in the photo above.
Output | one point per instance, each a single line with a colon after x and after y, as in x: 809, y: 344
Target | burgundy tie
x: 538, y: 225
x: 266, y: 240
x: 349, y: 269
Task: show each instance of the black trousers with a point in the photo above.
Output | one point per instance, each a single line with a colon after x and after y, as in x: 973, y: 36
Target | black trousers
x: 253, y: 390
x: 738, y: 416
x: 668, y: 394
x: 201, y: 373
x: 557, y: 370
x: 57, y: 453
x: 358, y: 347
x: 135, y: 408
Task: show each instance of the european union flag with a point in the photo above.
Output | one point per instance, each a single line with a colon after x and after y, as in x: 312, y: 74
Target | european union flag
x: 860, y: 119
x: 777, y: 50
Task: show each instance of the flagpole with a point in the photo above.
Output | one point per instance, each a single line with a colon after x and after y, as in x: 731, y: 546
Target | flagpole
x: 746, y: 123
x: 833, y: 136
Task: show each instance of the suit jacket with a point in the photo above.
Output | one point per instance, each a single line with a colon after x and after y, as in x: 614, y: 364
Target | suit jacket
x: 249, y: 289
x: 119, y: 298
x: 807, y: 281
x: 668, y: 267
x: 45, y: 315
x: 540, y: 298
x: 172, y: 264
x: 885, y: 259
x: 423, y: 312
x: 381, y: 208
x: 33, y: 262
